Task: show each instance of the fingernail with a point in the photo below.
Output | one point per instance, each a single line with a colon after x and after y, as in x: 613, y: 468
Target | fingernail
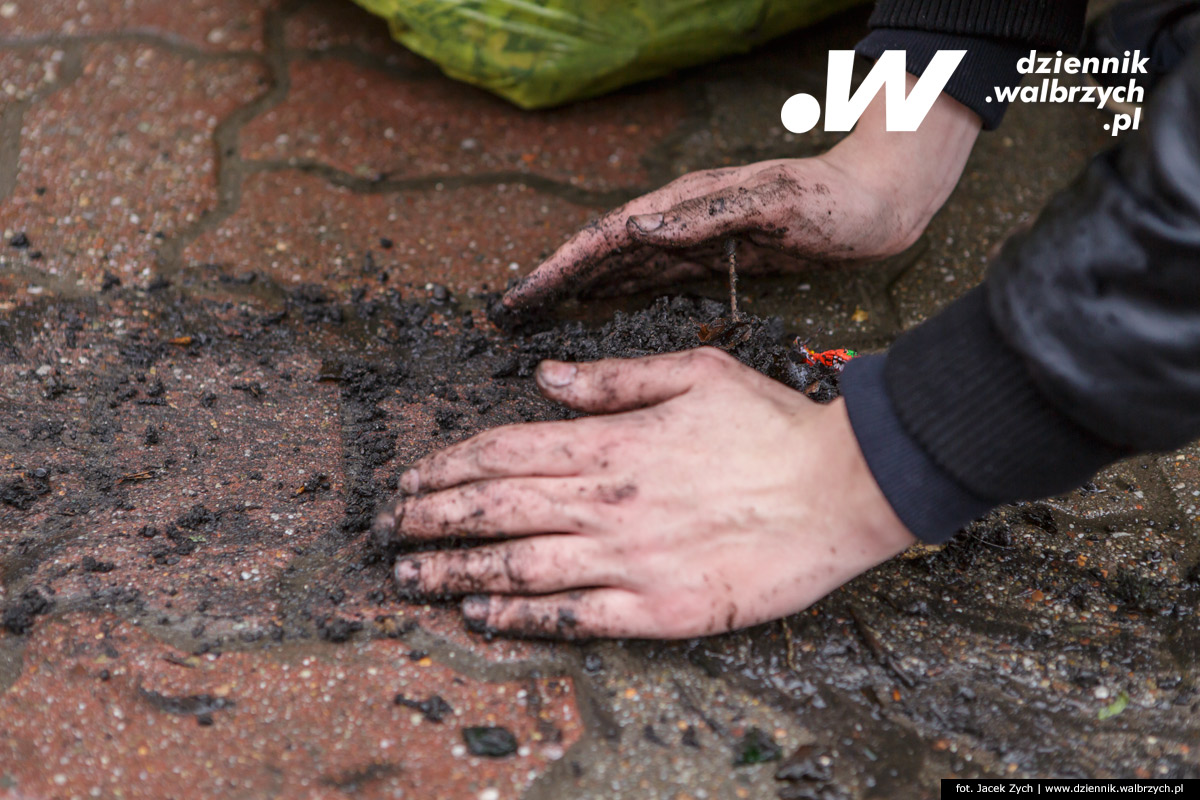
x: 647, y: 223
x: 408, y: 576
x: 556, y: 374
x: 384, y: 526
x: 475, y: 614
x: 475, y: 607
x: 411, y: 481
x: 382, y: 529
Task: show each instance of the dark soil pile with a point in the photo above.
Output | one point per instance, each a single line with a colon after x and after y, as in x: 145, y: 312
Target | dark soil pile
x: 671, y: 324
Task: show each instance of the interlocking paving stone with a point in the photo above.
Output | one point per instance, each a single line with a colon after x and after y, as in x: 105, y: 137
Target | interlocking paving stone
x: 127, y: 715
x: 370, y: 123
x: 118, y: 160
x: 336, y: 25
x: 216, y: 25
x: 298, y: 228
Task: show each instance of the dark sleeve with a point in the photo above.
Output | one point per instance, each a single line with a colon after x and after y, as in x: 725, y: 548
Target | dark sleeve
x: 1041, y: 24
x: 994, y: 34
x: 1080, y: 348
x: 986, y: 65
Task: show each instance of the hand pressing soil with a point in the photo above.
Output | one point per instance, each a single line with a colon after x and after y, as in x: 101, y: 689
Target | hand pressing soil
x: 703, y: 497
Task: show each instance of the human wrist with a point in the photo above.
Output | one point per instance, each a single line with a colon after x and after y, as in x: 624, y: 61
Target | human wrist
x: 870, y: 517
x: 907, y: 174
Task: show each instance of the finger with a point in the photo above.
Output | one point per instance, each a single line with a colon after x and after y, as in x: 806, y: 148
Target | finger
x: 538, y: 449
x: 495, y: 509
x: 585, y: 258
x: 623, y: 384
x: 536, y: 565
x: 728, y: 211
x: 567, y: 615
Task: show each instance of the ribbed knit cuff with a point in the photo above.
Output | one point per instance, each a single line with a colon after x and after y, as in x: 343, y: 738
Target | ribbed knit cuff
x: 1041, y: 24
x: 986, y: 65
x: 969, y: 401
x: 931, y: 504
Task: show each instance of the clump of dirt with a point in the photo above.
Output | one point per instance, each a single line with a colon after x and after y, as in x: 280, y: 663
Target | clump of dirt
x: 434, y: 708
x: 315, y: 305
x: 337, y: 629
x: 34, y: 601
x: 671, y: 324
x: 20, y: 495
x: 490, y: 741
x: 188, y: 704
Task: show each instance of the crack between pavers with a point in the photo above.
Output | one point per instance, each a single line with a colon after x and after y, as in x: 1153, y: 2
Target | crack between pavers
x: 11, y: 123
x: 160, y: 41
x: 230, y: 171
x: 365, y: 60
x: 598, y: 198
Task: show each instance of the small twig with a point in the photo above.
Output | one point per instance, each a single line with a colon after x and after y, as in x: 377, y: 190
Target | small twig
x: 791, y: 645
x: 731, y: 257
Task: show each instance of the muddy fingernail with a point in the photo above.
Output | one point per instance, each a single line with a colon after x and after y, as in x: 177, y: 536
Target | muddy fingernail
x: 383, y: 527
x: 408, y: 576
x: 475, y: 608
x: 408, y: 570
x: 556, y: 374
x: 411, y: 481
x: 647, y: 223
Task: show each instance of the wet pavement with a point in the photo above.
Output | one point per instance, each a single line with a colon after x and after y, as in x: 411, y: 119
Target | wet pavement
x: 256, y: 240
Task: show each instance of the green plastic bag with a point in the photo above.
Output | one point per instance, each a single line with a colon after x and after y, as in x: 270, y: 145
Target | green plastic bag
x: 548, y: 53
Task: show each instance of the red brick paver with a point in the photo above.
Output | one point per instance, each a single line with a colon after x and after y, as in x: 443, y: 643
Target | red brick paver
x: 125, y: 715
x: 212, y: 482
x: 370, y: 123
x: 217, y: 25
x: 325, y: 25
x: 299, y: 228
x: 96, y: 192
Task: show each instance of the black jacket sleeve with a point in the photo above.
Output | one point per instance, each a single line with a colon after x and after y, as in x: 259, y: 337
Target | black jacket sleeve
x: 1081, y: 347
x: 1041, y: 24
x: 995, y: 34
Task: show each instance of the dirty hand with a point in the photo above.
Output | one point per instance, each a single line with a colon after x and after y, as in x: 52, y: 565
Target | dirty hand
x: 703, y: 497
x: 869, y: 197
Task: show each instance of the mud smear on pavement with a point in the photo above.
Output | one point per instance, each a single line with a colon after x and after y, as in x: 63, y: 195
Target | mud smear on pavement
x: 115, y: 429
x: 994, y: 655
